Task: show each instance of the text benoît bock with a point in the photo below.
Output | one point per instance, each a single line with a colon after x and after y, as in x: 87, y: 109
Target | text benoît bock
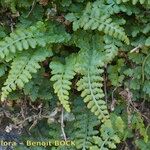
x: 31, y: 143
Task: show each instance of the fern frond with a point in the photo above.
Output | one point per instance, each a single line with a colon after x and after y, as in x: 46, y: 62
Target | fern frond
x: 91, y: 83
x: 62, y: 74
x: 111, y: 50
x: 108, y: 138
x: 56, y: 33
x: 22, y: 39
x: 147, y: 42
x: 38, y: 87
x: 93, y: 18
x: 134, y: 1
x: 85, y: 126
x: 87, y: 135
x: 113, y: 8
x: 21, y: 69
x: 89, y: 64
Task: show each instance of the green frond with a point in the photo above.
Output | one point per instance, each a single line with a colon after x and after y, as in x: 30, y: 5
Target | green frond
x: 93, y: 18
x: 89, y: 65
x: 87, y: 134
x: 62, y: 76
x: 85, y: 126
x: 22, y: 68
x: 56, y: 33
x: 22, y: 39
x: 91, y: 83
x: 138, y: 124
x: 111, y: 49
x: 108, y: 138
x: 38, y: 87
x: 3, y: 69
x: 114, y: 8
x: 10, y: 4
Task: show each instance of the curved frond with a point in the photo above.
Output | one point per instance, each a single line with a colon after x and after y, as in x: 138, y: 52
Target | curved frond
x: 21, y: 70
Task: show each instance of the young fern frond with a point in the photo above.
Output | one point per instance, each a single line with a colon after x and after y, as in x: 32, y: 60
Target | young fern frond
x: 93, y: 18
x: 134, y: 1
x: 21, y: 69
x: 62, y: 76
x: 22, y: 39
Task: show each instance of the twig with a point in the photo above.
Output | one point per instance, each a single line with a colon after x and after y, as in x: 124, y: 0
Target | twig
x: 33, y: 124
x: 62, y: 125
x: 136, y: 49
x: 112, y: 95
x: 33, y: 4
x: 113, y: 100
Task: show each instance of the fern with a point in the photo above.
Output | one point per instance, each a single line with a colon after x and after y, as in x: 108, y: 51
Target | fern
x: 137, y: 123
x: 84, y: 129
x: 22, y: 40
x: 26, y: 64
x: 62, y: 74
x: 56, y: 33
x: 90, y: 61
x: 38, y: 87
x: 10, y: 4
x: 113, y: 8
x: 94, y: 18
x: 91, y: 83
x: 14, y: 4
x: 3, y: 69
x: 108, y: 139
x: 111, y: 49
